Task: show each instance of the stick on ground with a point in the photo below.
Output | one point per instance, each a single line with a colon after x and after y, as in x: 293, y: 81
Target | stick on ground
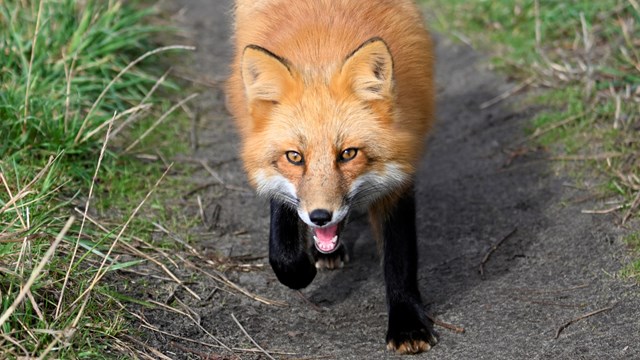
x: 493, y: 249
x: 455, y: 328
x: 565, y: 325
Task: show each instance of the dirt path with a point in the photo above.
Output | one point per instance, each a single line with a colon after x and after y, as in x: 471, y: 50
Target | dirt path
x: 558, y: 265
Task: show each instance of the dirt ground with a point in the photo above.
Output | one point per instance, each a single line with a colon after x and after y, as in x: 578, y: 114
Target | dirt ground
x: 472, y: 192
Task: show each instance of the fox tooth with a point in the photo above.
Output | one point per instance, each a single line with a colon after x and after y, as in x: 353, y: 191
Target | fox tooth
x: 335, y: 239
x: 315, y: 238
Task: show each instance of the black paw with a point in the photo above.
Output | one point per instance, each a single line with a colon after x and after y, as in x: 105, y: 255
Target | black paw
x: 295, y: 272
x: 335, y: 260
x: 410, y: 331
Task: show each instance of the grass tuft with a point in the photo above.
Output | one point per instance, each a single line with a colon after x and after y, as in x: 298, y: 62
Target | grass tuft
x: 69, y: 75
x: 585, y: 56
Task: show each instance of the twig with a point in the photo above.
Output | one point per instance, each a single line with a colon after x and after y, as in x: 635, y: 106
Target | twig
x: 454, y: 328
x: 36, y: 272
x: 507, y: 94
x: 309, y: 302
x: 493, y: 248
x: 250, y: 338
x: 565, y: 325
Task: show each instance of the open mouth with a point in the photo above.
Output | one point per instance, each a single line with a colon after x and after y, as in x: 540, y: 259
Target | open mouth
x: 327, y: 239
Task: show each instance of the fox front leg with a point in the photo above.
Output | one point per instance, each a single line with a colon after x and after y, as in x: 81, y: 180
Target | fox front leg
x: 288, y: 254
x: 409, y: 330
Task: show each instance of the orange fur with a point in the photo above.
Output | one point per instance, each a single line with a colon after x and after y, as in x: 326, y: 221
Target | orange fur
x: 320, y: 98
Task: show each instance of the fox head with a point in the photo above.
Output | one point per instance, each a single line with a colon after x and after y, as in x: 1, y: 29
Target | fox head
x: 324, y: 140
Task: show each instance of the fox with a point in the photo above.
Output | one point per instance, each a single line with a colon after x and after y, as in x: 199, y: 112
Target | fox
x: 333, y: 101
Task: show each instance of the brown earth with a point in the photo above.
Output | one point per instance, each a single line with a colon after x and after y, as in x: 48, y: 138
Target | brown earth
x: 472, y: 192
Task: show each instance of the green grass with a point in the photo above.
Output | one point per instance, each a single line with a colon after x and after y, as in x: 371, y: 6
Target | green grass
x: 584, y: 55
x: 62, y: 79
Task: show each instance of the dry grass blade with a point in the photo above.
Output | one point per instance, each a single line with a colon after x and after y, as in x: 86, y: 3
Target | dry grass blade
x: 250, y: 338
x: 635, y: 5
x: 33, y: 54
x: 603, y: 156
x: 134, y: 116
x: 213, y: 173
x: 84, y: 217
x: 56, y: 339
x: 540, y: 131
x: 134, y: 110
x: 36, y: 272
x: 101, y: 271
x: 632, y: 208
x: 602, y: 211
x: 224, y: 280
x: 155, y: 124
x: 117, y: 77
x: 36, y: 308
x: 507, y: 93
x: 25, y: 190
x: 196, y: 322
x: 149, y: 326
x: 141, y: 254
x: 67, y: 95
x: 536, y: 10
x: 156, y: 353
x: 10, y: 339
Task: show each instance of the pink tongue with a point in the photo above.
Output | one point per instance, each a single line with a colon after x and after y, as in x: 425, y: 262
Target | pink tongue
x: 324, y: 238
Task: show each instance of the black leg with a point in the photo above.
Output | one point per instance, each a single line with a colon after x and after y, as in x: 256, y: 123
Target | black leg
x: 409, y: 331
x: 288, y: 248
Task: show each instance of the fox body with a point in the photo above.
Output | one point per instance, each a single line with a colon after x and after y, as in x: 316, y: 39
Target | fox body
x: 333, y: 100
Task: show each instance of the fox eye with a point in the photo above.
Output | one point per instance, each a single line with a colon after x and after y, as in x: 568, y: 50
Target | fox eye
x: 348, y: 154
x: 294, y: 157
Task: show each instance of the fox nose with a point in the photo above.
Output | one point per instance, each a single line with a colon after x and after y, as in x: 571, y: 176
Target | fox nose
x: 320, y: 217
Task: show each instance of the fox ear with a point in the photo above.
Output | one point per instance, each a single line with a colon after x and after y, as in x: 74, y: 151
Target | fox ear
x: 369, y: 70
x: 265, y: 75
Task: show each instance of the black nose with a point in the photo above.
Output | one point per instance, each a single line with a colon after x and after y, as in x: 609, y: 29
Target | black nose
x: 320, y: 216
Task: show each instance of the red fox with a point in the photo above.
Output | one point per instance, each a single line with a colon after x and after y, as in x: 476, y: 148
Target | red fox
x: 333, y: 100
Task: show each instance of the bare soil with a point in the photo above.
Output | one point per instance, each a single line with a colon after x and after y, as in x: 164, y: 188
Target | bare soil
x: 474, y: 189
